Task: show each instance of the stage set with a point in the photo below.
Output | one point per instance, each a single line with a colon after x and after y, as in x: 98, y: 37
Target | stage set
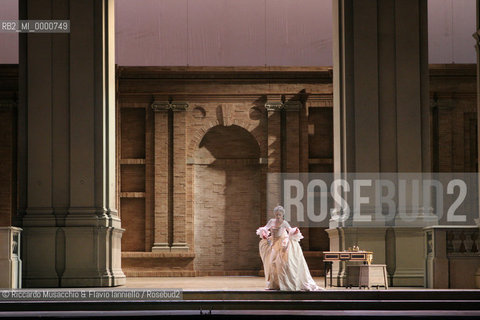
x: 156, y: 175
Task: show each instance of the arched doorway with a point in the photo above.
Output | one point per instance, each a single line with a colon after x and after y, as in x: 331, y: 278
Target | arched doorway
x: 227, y: 180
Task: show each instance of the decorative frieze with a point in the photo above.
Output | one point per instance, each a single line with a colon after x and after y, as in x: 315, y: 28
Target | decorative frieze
x: 161, y: 106
x: 460, y: 241
x: 293, y: 105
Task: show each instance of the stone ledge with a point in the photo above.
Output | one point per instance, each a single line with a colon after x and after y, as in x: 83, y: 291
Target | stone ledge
x: 163, y: 273
x: 134, y: 254
x: 188, y: 273
x: 313, y: 272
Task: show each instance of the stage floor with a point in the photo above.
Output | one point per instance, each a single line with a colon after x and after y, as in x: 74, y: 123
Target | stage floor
x: 229, y: 283
x: 236, y: 283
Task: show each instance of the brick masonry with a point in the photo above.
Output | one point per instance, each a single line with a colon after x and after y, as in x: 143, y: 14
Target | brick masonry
x: 218, y: 194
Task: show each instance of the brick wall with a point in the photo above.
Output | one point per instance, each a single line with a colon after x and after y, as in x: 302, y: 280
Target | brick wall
x: 226, y: 200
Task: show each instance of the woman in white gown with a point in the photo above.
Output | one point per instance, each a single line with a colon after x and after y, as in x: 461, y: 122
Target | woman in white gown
x: 283, y: 262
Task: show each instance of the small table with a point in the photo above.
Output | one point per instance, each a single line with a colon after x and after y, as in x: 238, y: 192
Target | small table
x: 330, y: 256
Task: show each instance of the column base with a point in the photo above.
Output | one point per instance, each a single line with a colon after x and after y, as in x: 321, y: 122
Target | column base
x: 93, y: 281
x: 409, y: 257
x: 73, y: 256
x: 409, y: 278
x: 179, y: 247
x: 97, y: 264
x: 39, y: 246
x: 160, y: 247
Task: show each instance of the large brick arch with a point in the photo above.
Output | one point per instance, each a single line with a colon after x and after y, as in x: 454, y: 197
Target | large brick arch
x: 227, y: 197
x: 250, y: 127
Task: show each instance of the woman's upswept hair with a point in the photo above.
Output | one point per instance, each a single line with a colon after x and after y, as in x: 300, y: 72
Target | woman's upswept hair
x: 279, y: 208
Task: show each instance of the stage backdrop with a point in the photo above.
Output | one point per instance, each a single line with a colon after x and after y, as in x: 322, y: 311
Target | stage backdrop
x: 250, y: 32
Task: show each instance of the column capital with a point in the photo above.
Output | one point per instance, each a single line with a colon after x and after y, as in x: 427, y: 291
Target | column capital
x: 159, y: 106
x: 278, y: 105
x: 274, y: 106
x: 179, y: 106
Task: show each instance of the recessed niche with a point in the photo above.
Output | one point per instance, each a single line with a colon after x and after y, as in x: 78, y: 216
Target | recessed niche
x: 132, y: 133
x: 133, y: 216
x: 133, y: 178
x: 199, y: 112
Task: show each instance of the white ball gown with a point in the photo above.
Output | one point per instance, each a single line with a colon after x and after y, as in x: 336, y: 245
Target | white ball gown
x: 283, y: 261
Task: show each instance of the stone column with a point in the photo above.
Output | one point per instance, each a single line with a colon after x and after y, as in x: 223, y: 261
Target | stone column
x: 179, y: 177
x: 476, y: 35
x: 72, y: 231
x: 380, y: 78
x: 381, y: 105
x: 292, y: 137
x: 410, y: 257
x: 161, y: 223
x: 10, y: 262
x: 8, y: 118
x: 292, y: 128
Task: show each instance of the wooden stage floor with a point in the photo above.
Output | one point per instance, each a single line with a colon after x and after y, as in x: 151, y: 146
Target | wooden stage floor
x: 229, y: 283
x: 235, y: 283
